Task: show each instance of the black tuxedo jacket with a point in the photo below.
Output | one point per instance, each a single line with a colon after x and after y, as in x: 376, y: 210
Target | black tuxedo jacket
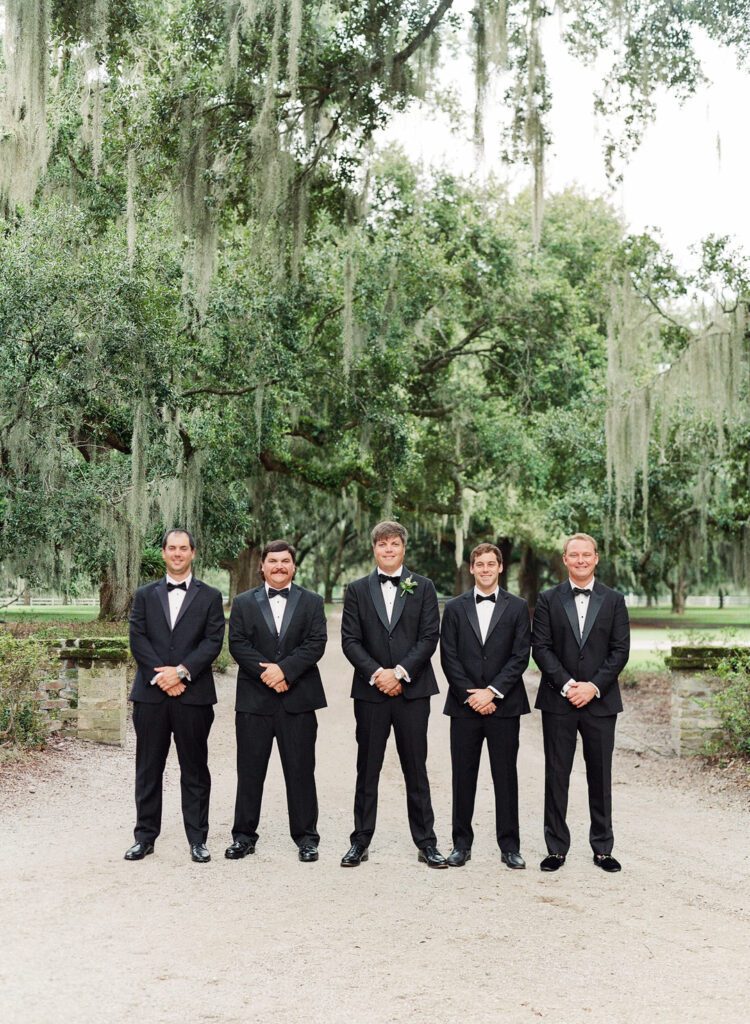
x: 500, y: 661
x: 371, y: 642
x: 195, y: 641
x: 562, y: 653
x: 297, y: 649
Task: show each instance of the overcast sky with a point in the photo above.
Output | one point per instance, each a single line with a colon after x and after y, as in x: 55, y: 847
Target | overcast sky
x: 690, y: 178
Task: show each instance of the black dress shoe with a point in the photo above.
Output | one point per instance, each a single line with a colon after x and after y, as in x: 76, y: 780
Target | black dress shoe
x: 199, y: 853
x: 139, y: 851
x: 457, y: 858
x: 552, y: 862
x: 238, y: 850
x: 607, y: 862
x: 308, y: 853
x: 432, y: 857
x: 513, y: 860
x: 354, y: 856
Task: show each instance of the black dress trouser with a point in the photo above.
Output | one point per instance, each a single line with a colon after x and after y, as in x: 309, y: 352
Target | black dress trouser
x: 155, y: 724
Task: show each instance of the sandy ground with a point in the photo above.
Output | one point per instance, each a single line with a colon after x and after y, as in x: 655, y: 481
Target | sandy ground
x: 86, y: 937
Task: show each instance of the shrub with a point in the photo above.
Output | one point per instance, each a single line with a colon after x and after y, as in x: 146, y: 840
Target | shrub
x: 733, y: 702
x: 22, y: 662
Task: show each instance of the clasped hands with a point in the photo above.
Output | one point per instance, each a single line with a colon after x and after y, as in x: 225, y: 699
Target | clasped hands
x: 388, y: 682
x: 579, y: 694
x: 167, y: 679
x: 482, y: 700
x: 273, y: 677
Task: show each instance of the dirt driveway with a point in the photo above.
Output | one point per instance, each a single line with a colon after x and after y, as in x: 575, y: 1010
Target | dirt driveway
x: 86, y: 937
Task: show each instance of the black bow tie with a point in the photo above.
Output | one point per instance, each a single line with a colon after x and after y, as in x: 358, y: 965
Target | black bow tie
x: 486, y: 597
x: 278, y: 593
x: 582, y: 591
x: 395, y: 580
x: 176, y: 586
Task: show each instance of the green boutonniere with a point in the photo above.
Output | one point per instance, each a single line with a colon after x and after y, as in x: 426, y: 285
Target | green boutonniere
x: 408, y: 586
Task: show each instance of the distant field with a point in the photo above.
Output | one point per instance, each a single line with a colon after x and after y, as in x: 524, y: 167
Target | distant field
x: 59, y: 614
x: 694, y: 618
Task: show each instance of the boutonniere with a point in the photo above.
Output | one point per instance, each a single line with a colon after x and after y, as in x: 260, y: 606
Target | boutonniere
x: 408, y: 586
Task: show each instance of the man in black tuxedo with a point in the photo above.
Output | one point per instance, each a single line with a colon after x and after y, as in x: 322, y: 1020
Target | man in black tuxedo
x: 389, y: 631
x: 176, y: 631
x: 581, y: 643
x: 484, y: 650
x: 277, y: 636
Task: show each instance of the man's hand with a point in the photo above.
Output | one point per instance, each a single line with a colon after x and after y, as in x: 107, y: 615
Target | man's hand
x: 273, y: 677
x: 479, y: 699
x: 175, y: 691
x: 167, y: 678
x: 579, y: 694
x: 387, y: 682
x: 489, y: 709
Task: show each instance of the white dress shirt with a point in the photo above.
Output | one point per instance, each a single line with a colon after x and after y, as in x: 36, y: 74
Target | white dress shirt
x: 582, y: 607
x: 484, y: 614
x: 390, y: 593
x: 175, y: 599
x: 278, y: 607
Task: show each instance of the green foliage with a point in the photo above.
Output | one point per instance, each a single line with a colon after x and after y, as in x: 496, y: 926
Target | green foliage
x: 733, y: 702
x: 22, y: 662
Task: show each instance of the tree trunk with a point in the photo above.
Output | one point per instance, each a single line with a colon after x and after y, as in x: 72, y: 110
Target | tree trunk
x: 678, y: 590
x: 506, y: 547
x: 462, y: 580
x: 243, y: 570
x: 115, y: 598
x: 529, y: 572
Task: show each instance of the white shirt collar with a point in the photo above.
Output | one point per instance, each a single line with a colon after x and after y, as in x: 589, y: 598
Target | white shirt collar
x: 396, y: 572
x: 589, y: 586
x: 481, y: 593
x: 267, y: 586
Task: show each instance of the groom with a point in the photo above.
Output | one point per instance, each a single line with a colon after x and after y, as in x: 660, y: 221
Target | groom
x: 389, y: 631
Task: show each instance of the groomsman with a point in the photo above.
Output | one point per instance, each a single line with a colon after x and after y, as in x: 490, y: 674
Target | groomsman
x: 176, y: 632
x: 277, y: 636
x: 581, y: 643
x: 484, y: 650
x: 389, y: 631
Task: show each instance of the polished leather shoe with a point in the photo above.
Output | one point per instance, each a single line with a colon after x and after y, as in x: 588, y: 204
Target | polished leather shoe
x: 457, y: 858
x: 308, y: 853
x: 238, y: 850
x: 139, y: 851
x: 607, y: 862
x: 199, y: 853
x: 432, y: 857
x: 552, y: 862
x: 512, y: 859
x: 354, y: 856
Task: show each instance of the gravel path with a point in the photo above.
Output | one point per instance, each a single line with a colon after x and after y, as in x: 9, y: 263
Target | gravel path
x: 89, y: 938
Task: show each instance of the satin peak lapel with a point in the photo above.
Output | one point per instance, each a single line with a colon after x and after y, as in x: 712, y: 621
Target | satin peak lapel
x: 377, y: 599
x: 470, y: 607
x: 595, y: 603
x: 262, y: 598
x: 400, y: 602
x: 161, y: 590
x: 189, y: 598
x: 291, y: 603
x: 500, y: 605
x: 569, y: 604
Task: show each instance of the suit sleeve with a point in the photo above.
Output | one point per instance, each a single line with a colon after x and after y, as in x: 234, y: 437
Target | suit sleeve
x: 542, y: 648
x: 140, y: 644
x: 352, y: 637
x: 428, y: 633
x: 513, y: 669
x: 241, y: 647
x: 312, y: 648
x: 205, y: 654
x: 619, y: 648
x: 458, y: 681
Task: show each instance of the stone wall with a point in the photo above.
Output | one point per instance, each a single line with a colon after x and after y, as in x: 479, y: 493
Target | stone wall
x: 694, y: 720
x: 89, y: 697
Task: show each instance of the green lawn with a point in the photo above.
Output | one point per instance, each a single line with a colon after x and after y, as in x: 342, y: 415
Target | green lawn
x: 57, y: 614
x: 694, y: 618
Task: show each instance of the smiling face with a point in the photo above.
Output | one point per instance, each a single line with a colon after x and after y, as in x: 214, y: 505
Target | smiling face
x: 580, y: 560
x: 486, y: 571
x: 278, y: 569
x: 178, y: 555
x: 389, y: 554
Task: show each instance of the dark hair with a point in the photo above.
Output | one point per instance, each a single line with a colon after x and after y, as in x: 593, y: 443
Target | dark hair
x: 178, y: 529
x: 278, y: 545
x: 388, y: 528
x: 486, y: 549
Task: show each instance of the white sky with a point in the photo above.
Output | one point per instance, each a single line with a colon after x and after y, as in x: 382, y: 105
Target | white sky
x: 690, y: 178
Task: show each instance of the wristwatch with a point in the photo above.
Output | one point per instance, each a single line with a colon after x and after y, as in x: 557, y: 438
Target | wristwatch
x: 182, y: 672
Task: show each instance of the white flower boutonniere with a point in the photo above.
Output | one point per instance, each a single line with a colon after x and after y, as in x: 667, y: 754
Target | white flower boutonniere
x: 408, y: 586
